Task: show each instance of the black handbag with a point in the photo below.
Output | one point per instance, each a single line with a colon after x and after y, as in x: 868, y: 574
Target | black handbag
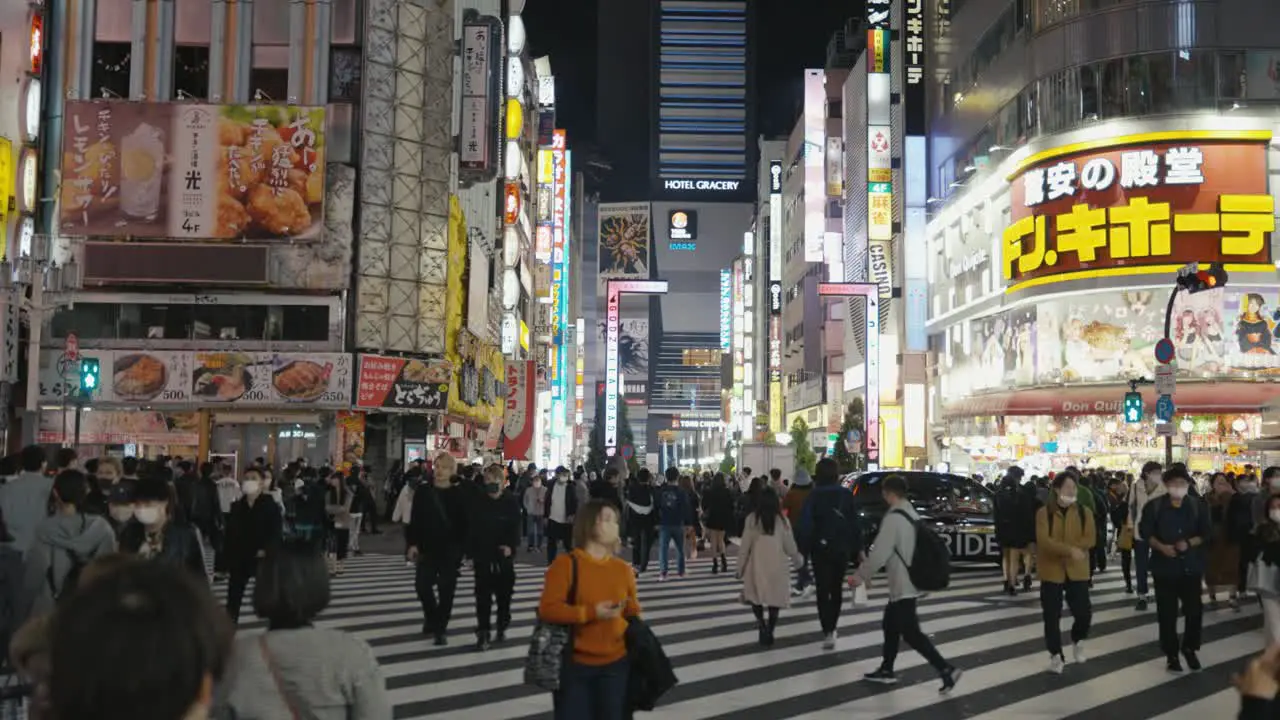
x: 550, y: 646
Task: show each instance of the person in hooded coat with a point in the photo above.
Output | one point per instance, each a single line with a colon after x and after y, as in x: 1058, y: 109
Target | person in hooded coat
x: 63, y: 542
x: 792, y: 507
x: 1009, y: 529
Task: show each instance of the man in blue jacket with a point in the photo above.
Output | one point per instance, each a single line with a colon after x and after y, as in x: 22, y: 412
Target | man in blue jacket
x: 674, y: 507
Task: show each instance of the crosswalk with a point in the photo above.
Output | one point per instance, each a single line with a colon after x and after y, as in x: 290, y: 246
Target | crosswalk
x: 711, y: 640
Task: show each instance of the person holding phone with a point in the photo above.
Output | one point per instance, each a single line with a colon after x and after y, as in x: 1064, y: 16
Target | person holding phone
x: 594, y: 591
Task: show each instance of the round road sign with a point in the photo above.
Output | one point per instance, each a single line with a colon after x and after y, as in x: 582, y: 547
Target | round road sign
x: 1164, y: 351
x: 628, y: 451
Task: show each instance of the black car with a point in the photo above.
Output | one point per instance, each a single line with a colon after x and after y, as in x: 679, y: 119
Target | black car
x: 963, y: 509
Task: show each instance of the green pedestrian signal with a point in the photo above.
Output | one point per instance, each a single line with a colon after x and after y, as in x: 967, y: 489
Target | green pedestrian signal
x: 1133, y: 407
x: 90, y: 370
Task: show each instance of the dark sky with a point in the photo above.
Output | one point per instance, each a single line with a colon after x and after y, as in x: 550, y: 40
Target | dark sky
x: 792, y: 35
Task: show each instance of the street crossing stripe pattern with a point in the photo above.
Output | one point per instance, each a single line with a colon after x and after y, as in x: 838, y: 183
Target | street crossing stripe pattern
x: 711, y: 639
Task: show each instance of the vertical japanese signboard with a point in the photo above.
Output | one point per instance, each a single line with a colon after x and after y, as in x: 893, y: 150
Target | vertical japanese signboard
x: 481, y: 72
x: 517, y: 424
x: 913, y: 56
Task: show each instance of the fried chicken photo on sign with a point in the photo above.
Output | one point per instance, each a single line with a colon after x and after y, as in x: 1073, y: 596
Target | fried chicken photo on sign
x: 281, y: 213
x: 233, y: 219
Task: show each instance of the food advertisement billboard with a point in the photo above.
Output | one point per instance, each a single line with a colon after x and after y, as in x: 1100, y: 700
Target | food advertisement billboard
x: 192, y: 171
x: 156, y: 377
x: 1138, y: 205
x: 402, y: 383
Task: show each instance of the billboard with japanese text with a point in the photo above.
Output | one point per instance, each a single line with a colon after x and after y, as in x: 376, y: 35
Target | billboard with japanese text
x: 1141, y: 204
x: 192, y: 171
x: 402, y: 383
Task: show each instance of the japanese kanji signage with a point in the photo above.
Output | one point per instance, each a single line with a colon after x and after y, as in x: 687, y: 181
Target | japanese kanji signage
x: 403, y: 383
x: 517, y: 426
x: 191, y: 171
x: 913, y: 59
x: 1139, y: 203
x: 481, y: 66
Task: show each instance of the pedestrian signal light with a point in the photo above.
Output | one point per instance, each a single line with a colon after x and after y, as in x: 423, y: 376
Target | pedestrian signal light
x: 89, y: 375
x: 1133, y: 407
x: 1214, y: 276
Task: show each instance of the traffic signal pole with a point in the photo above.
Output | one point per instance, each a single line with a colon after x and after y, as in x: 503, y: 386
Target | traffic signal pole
x: 1168, y: 321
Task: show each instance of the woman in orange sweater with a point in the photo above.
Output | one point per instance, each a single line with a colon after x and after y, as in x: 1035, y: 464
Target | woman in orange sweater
x: 594, y: 683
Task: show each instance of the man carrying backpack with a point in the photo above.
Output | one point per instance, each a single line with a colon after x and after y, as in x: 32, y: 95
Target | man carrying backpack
x: 1176, y: 527
x: 829, y: 533
x: 64, y: 543
x: 674, y: 508
x: 908, y: 554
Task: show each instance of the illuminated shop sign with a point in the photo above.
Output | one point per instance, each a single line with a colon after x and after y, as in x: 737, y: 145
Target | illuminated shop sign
x: 720, y: 185
x: 682, y: 229
x: 815, y: 134
x: 878, y: 50
x: 726, y: 310
x: 775, y: 297
x: 913, y: 57
x: 1139, y: 205
x: 878, y: 13
x: 775, y: 176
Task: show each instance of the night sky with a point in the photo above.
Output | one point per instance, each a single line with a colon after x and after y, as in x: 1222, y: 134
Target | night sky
x: 793, y: 35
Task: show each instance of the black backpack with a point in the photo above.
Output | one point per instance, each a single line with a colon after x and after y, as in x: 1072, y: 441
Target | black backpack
x: 72, y: 578
x: 930, y: 566
x: 830, y: 525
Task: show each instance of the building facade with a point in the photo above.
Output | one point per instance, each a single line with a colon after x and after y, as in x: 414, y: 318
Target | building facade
x: 1160, y: 142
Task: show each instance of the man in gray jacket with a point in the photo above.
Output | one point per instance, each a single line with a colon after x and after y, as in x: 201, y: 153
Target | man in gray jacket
x: 894, y: 546
x: 64, y: 543
x: 24, y: 501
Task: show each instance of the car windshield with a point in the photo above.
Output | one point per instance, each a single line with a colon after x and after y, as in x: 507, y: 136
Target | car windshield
x: 932, y: 492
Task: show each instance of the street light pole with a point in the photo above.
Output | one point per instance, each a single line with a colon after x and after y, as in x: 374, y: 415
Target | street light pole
x: 1168, y: 321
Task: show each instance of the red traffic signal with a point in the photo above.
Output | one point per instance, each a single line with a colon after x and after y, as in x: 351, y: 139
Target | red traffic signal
x: 1210, y: 278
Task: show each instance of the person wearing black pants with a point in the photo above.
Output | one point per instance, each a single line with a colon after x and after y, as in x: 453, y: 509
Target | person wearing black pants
x: 254, y: 526
x: 493, y: 536
x: 829, y: 533
x: 1118, y: 509
x: 895, y: 541
x: 561, y: 504
x: 1176, y: 528
x: 436, y: 536
x: 641, y: 524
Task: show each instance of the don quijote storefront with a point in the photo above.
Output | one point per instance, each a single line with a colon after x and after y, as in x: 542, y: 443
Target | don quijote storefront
x: 233, y: 406
x: 1050, y: 277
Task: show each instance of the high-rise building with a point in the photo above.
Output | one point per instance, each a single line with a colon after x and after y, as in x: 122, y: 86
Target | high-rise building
x: 676, y: 103
x: 1164, y: 144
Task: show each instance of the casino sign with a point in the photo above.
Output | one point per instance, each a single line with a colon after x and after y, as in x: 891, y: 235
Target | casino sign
x: 1138, y: 205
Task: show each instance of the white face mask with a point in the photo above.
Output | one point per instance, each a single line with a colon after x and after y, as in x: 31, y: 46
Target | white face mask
x: 251, y: 487
x: 1067, y: 500
x: 1177, y: 493
x: 147, y: 514
x: 1275, y: 516
x: 1248, y: 488
x: 121, y: 513
x: 297, y: 484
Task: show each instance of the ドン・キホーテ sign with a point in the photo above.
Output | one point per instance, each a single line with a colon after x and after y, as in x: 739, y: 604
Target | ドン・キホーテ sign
x: 1139, y: 204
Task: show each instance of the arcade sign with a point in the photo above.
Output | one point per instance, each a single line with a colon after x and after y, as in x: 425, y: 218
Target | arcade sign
x: 1141, y: 204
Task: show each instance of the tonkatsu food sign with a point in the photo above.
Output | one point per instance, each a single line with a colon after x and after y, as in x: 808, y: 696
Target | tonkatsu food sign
x: 1139, y: 205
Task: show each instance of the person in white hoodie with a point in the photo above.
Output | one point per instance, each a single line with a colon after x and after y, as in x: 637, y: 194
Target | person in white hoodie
x: 1148, y: 486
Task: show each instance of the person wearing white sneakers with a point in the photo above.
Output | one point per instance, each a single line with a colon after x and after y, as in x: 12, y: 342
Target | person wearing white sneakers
x: 1064, y: 536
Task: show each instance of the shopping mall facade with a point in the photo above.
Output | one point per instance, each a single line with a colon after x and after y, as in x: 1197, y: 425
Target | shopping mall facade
x: 1061, y: 220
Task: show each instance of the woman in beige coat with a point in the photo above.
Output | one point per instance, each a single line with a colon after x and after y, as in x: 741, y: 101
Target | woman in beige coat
x: 767, y: 544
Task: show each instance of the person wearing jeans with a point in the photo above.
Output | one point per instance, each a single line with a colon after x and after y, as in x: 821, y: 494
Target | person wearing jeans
x: 535, y: 519
x: 1065, y: 537
x: 674, y: 508
x: 896, y: 541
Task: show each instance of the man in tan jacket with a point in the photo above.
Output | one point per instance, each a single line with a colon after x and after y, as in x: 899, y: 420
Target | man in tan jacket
x: 1064, y: 536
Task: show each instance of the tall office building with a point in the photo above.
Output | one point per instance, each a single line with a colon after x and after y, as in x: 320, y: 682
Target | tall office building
x: 676, y: 99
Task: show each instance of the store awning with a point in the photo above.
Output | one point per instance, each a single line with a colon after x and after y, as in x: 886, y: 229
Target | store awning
x: 1193, y: 398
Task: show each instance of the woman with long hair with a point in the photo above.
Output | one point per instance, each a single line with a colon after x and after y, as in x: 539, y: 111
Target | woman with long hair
x: 717, y: 515
x: 693, y: 527
x: 593, y: 683
x: 767, y: 544
x: 1223, y: 568
x: 337, y: 505
x: 1264, y: 574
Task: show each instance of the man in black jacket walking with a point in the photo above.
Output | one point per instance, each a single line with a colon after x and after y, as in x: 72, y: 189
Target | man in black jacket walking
x: 435, y: 536
x: 493, y: 535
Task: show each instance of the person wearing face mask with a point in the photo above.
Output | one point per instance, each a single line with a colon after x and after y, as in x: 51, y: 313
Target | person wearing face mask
x: 119, y: 508
x: 1148, y: 486
x: 156, y: 532
x: 1264, y: 569
x: 436, y: 539
x: 1241, y: 527
x: 493, y: 534
x: 534, y: 507
x: 1270, y: 486
x: 1118, y: 508
x: 1065, y: 536
x: 1177, y: 527
x: 1223, y: 566
x: 254, y: 525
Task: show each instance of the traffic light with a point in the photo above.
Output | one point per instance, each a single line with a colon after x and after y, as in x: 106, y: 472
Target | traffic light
x: 1214, y: 276
x: 89, y: 376
x: 1133, y: 407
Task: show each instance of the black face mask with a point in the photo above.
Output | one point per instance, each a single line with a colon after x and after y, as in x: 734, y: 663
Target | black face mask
x: 493, y: 488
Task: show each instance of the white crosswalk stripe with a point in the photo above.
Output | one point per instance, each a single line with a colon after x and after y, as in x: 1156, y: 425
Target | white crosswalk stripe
x: 711, y: 639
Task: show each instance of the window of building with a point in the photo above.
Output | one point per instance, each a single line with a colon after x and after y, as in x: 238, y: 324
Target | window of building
x: 269, y: 74
x: 1089, y: 92
x: 1113, y: 88
x: 110, y: 75
x: 701, y: 357
x: 192, y: 32
x: 1232, y: 75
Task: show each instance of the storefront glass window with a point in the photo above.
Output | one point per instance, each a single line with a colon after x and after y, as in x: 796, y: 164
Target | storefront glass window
x: 1089, y: 91
x: 1137, y: 86
x: 1113, y: 89
x: 1231, y: 75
